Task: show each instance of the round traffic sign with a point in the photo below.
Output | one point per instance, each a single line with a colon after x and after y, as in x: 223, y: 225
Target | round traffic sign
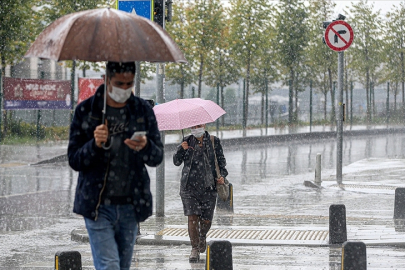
x: 339, y: 35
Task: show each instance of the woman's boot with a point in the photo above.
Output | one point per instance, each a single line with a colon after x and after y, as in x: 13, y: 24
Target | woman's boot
x: 194, y: 238
x: 205, y: 226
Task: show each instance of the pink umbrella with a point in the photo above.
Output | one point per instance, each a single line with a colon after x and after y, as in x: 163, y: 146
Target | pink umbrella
x: 184, y: 113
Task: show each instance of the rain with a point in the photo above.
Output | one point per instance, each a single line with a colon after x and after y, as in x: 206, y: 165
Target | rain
x: 302, y: 120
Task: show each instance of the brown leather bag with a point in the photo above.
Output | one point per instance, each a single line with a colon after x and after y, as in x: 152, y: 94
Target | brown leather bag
x: 222, y: 189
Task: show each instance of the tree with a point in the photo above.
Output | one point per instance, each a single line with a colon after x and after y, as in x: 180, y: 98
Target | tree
x: 248, y: 20
x: 265, y: 69
x: 203, y: 18
x: 367, y: 50
x: 394, y: 48
x: 291, y: 24
x: 180, y: 74
x: 221, y: 68
x: 19, y: 25
x: 322, y: 60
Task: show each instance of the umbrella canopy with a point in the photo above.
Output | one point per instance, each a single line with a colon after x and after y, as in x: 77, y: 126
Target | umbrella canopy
x: 184, y: 113
x: 105, y: 35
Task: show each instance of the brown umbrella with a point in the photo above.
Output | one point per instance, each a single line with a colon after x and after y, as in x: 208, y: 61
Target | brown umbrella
x: 105, y: 35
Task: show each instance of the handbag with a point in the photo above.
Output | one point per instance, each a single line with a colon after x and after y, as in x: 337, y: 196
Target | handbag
x: 222, y: 189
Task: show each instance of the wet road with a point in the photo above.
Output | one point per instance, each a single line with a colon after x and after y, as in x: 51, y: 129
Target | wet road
x: 36, y: 218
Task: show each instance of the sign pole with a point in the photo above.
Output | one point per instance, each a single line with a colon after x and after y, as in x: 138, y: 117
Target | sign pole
x: 339, y: 139
x: 1, y: 101
x: 160, y: 98
x: 339, y: 36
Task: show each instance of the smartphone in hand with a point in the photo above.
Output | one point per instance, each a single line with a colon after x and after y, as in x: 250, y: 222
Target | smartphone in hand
x: 137, y: 134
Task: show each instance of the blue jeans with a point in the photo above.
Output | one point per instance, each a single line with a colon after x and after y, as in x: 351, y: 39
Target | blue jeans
x: 112, y: 236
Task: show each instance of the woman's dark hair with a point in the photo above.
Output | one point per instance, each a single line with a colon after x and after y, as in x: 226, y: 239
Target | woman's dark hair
x: 120, y: 67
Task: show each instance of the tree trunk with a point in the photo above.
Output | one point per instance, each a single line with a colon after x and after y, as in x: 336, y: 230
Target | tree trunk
x: 222, y: 105
x: 324, y: 105
x: 182, y: 89
x: 368, y: 96
x: 247, y: 87
x: 403, y: 79
x: 332, y: 100
x: 290, y: 97
x: 200, y: 73
x: 3, y: 72
x: 296, y: 101
x: 346, y: 91
x: 262, y: 109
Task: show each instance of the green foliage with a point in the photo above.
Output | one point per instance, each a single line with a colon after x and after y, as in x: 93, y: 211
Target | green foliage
x: 22, y: 133
x: 204, y: 19
x: 181, y: 74
x: 367, y: 48
x: 291, y: 33
x: 291, y: 25
x: 322, y: 61
x: 19, y: 25
x: 22, y: 129
x: 394, y: 48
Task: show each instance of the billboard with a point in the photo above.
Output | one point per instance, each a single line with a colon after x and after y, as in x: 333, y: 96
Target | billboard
x: 87, y: 87
x: 28, y: 94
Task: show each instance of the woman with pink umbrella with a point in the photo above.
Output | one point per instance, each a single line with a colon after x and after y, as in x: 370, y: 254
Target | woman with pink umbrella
x: 198, y: 183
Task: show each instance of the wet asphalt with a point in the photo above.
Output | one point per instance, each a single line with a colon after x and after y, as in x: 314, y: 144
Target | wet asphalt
x: 36, y: 220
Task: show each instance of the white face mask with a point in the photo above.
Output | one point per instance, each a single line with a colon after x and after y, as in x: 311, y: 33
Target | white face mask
x: 197, y: 132
x: 120, y: 95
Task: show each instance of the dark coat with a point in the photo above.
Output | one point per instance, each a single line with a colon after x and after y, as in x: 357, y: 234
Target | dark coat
x: 92, y: 162
x: 186, y: 156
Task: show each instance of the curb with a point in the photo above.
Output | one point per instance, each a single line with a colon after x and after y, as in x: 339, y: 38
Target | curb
x: 270, y: 139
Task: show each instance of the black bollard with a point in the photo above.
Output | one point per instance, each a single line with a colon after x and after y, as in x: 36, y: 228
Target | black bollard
x: 337, y: 224
x: 228, y: 203
x: 399, y: 206
x: 354, y: 256
x: 68, y: 260
x: 219, y: 255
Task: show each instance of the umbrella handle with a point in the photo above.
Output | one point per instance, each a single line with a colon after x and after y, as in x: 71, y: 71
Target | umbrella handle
x: 104, y: 110
x: 107, y: 147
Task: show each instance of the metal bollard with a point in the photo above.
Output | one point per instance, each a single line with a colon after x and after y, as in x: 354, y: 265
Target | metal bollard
x: 219, y: 255
x: 399, y: 206
x: 68, y: 260
x: 228, y: 204
x: 337, y: 224
x: 354, y: 256
x: 318, y: 179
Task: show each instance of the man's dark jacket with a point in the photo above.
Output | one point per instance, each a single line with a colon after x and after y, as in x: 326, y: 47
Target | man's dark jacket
x: 186, y: 156
x: 92, y: 162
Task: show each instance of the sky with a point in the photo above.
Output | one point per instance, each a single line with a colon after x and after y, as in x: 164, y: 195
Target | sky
x: 383, y: 5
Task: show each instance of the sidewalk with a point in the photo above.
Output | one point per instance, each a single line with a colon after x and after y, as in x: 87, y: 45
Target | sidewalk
x: 368, y: 194
x: 277, y: 222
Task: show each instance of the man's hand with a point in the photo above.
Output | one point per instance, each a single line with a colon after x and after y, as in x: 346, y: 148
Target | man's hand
x: 139, y: 144
x: 101, y: 134
x: 221, y: 180
x: 184, y: 145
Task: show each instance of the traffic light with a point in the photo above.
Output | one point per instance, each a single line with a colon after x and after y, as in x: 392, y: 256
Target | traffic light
x: 158, y: 12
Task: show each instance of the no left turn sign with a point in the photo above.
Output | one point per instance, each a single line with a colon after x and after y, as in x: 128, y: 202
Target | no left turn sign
x: 339, y: 35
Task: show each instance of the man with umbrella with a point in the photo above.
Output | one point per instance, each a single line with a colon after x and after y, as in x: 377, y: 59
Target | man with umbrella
x: 113, y: 191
